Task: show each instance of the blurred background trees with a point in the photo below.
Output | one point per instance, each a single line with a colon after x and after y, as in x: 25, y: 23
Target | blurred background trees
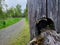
x: 25, y: 13
x: 13, y: 12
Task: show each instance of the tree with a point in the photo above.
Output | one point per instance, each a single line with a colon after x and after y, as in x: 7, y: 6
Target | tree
x: 10, y: 12
x: 26, y: 12
x: 1, y: 12
x: 15, y: 11
x: 18, y: 12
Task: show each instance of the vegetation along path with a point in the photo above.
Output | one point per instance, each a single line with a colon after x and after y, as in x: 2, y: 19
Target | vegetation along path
x: 11, y: 32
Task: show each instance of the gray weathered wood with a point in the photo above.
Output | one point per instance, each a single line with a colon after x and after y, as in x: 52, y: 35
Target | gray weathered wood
x: 37, y: 10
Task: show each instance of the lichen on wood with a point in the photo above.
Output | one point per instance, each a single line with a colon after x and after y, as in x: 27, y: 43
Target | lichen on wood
x: 47, y: 37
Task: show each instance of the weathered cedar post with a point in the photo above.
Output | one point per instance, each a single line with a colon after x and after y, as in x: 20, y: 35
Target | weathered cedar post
x: 42, y: 8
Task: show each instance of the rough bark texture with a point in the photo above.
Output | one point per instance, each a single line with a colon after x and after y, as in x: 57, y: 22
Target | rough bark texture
x: 48, y: 37
x: 37, y: 10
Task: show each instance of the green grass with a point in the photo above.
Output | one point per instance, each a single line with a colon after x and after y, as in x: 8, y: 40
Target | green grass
x: 23, y: 38
x: 8, y: 22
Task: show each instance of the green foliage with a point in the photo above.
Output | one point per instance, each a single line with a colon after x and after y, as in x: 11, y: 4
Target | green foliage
x: 26, y: 12
x: 15, y: 12
x: 8, y: 22
x: 2, y: 14
x: 12, y: 12
x: 18, y: 12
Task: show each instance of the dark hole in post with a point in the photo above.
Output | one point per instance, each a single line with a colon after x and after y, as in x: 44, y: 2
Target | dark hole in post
x: 50, y: 23
x: 43, y: 24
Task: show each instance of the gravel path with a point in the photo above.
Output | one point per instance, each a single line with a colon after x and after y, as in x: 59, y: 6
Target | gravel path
x: 10, y: 32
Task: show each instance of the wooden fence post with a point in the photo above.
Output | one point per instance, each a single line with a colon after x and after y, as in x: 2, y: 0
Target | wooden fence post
x: 37, y: 10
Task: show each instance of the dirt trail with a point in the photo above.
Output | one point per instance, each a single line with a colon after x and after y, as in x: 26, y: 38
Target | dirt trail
x: 10, y: 32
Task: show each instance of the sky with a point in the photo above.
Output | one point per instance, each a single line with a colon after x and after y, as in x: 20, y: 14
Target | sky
x: 13, y: 3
